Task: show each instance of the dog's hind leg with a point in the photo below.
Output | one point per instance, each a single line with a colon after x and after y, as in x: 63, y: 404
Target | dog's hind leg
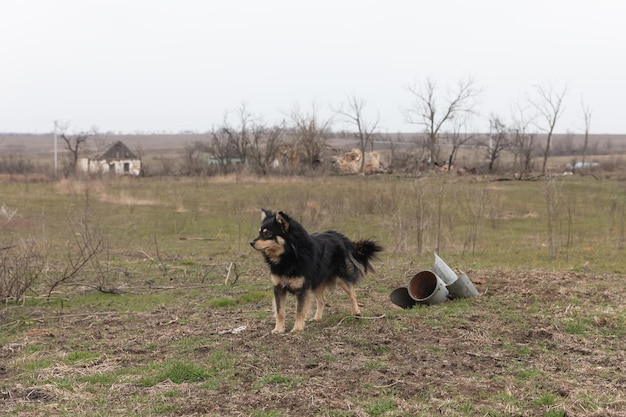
x: 320, y: 301
x: 280, y: 296
x: 348, y: 287
x: 303, y: 305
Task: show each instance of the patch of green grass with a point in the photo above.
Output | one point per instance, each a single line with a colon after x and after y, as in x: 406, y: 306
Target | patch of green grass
x: 374, y: 365
x: 261, y: 315
x: 223, y: 302
x: 253, y: 297
x: 244, y: 298
x: 163, y: 409
x: 190, y: 344
x: 104, y: 379
x: 380, y: 407
x: 275, y: 379
x: 80, y: 357
x: 465, y: 408
x: 577, y: 326
x: 545, y: 399
x: 220, y: 360
x: 461, y: 307
x: 555, y: 413
x: 518, y: 350
x: 36, y: 364
x: 526, y: 374
x: 380, y: 349
x: 176, y: 371
x: 30, y: 349
x: 97, y: 301
x: 179, y: 372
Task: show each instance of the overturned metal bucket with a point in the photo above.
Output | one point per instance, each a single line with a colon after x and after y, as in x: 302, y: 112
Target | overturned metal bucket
x: 427, y: 288
x: 458, y: 286
x: 462, y: 288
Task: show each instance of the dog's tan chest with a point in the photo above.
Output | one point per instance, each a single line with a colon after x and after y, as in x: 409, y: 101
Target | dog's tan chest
x: 290, y: 283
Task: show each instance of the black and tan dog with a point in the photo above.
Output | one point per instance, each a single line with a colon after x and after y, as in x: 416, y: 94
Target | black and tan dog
x: 304, y: 264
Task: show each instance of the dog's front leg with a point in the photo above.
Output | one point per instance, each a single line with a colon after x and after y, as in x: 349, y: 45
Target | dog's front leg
x: 280, y: 296
x: 303, y: 305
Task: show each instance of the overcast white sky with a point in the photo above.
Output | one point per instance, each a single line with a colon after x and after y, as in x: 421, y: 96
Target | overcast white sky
x: 153, y: 65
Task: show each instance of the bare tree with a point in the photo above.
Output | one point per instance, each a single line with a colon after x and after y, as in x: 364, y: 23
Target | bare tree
x: 498, y: 140
x: 311, y: 133
x: 239, y: 134
x: 353, y: 112
x: 549, y: 107
x: 74, y: 143
x: 265, y: 145
x: 194, y: 161
x: 523, y: 140
x: 433, y: 110
x: 221, y: 149
x: 587, y: 126
x: 458, y: 137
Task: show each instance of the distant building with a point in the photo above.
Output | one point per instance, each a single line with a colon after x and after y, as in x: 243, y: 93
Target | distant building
x: 115, y: 160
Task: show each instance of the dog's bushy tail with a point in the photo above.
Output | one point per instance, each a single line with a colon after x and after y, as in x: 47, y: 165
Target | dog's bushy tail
x: 366, y: 251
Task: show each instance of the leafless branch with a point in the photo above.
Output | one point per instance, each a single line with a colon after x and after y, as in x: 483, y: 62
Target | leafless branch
x: 433, y: 110
x: 549, y: 106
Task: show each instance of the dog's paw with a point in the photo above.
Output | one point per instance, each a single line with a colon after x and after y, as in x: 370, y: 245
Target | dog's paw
x: 278, y: 330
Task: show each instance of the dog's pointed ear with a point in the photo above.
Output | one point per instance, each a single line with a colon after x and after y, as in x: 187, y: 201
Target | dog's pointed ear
x: 283, y: 220
x: 265, y: 214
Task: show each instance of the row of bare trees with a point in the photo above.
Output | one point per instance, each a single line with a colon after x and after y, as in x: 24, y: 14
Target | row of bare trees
x: 299, y: 141
x: 246, y: 139
x: 443, y: 114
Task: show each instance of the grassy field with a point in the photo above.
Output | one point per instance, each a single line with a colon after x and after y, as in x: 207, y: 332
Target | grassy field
x: 173, y: 315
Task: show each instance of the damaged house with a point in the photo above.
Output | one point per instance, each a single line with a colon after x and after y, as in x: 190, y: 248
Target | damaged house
x: 350, y: 162
x: 115, y: 160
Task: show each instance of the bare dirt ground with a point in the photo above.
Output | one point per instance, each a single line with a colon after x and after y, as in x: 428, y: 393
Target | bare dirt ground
x: 533, y: 344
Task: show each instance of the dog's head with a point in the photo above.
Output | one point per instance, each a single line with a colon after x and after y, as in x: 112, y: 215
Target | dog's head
x: 272, y: 237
